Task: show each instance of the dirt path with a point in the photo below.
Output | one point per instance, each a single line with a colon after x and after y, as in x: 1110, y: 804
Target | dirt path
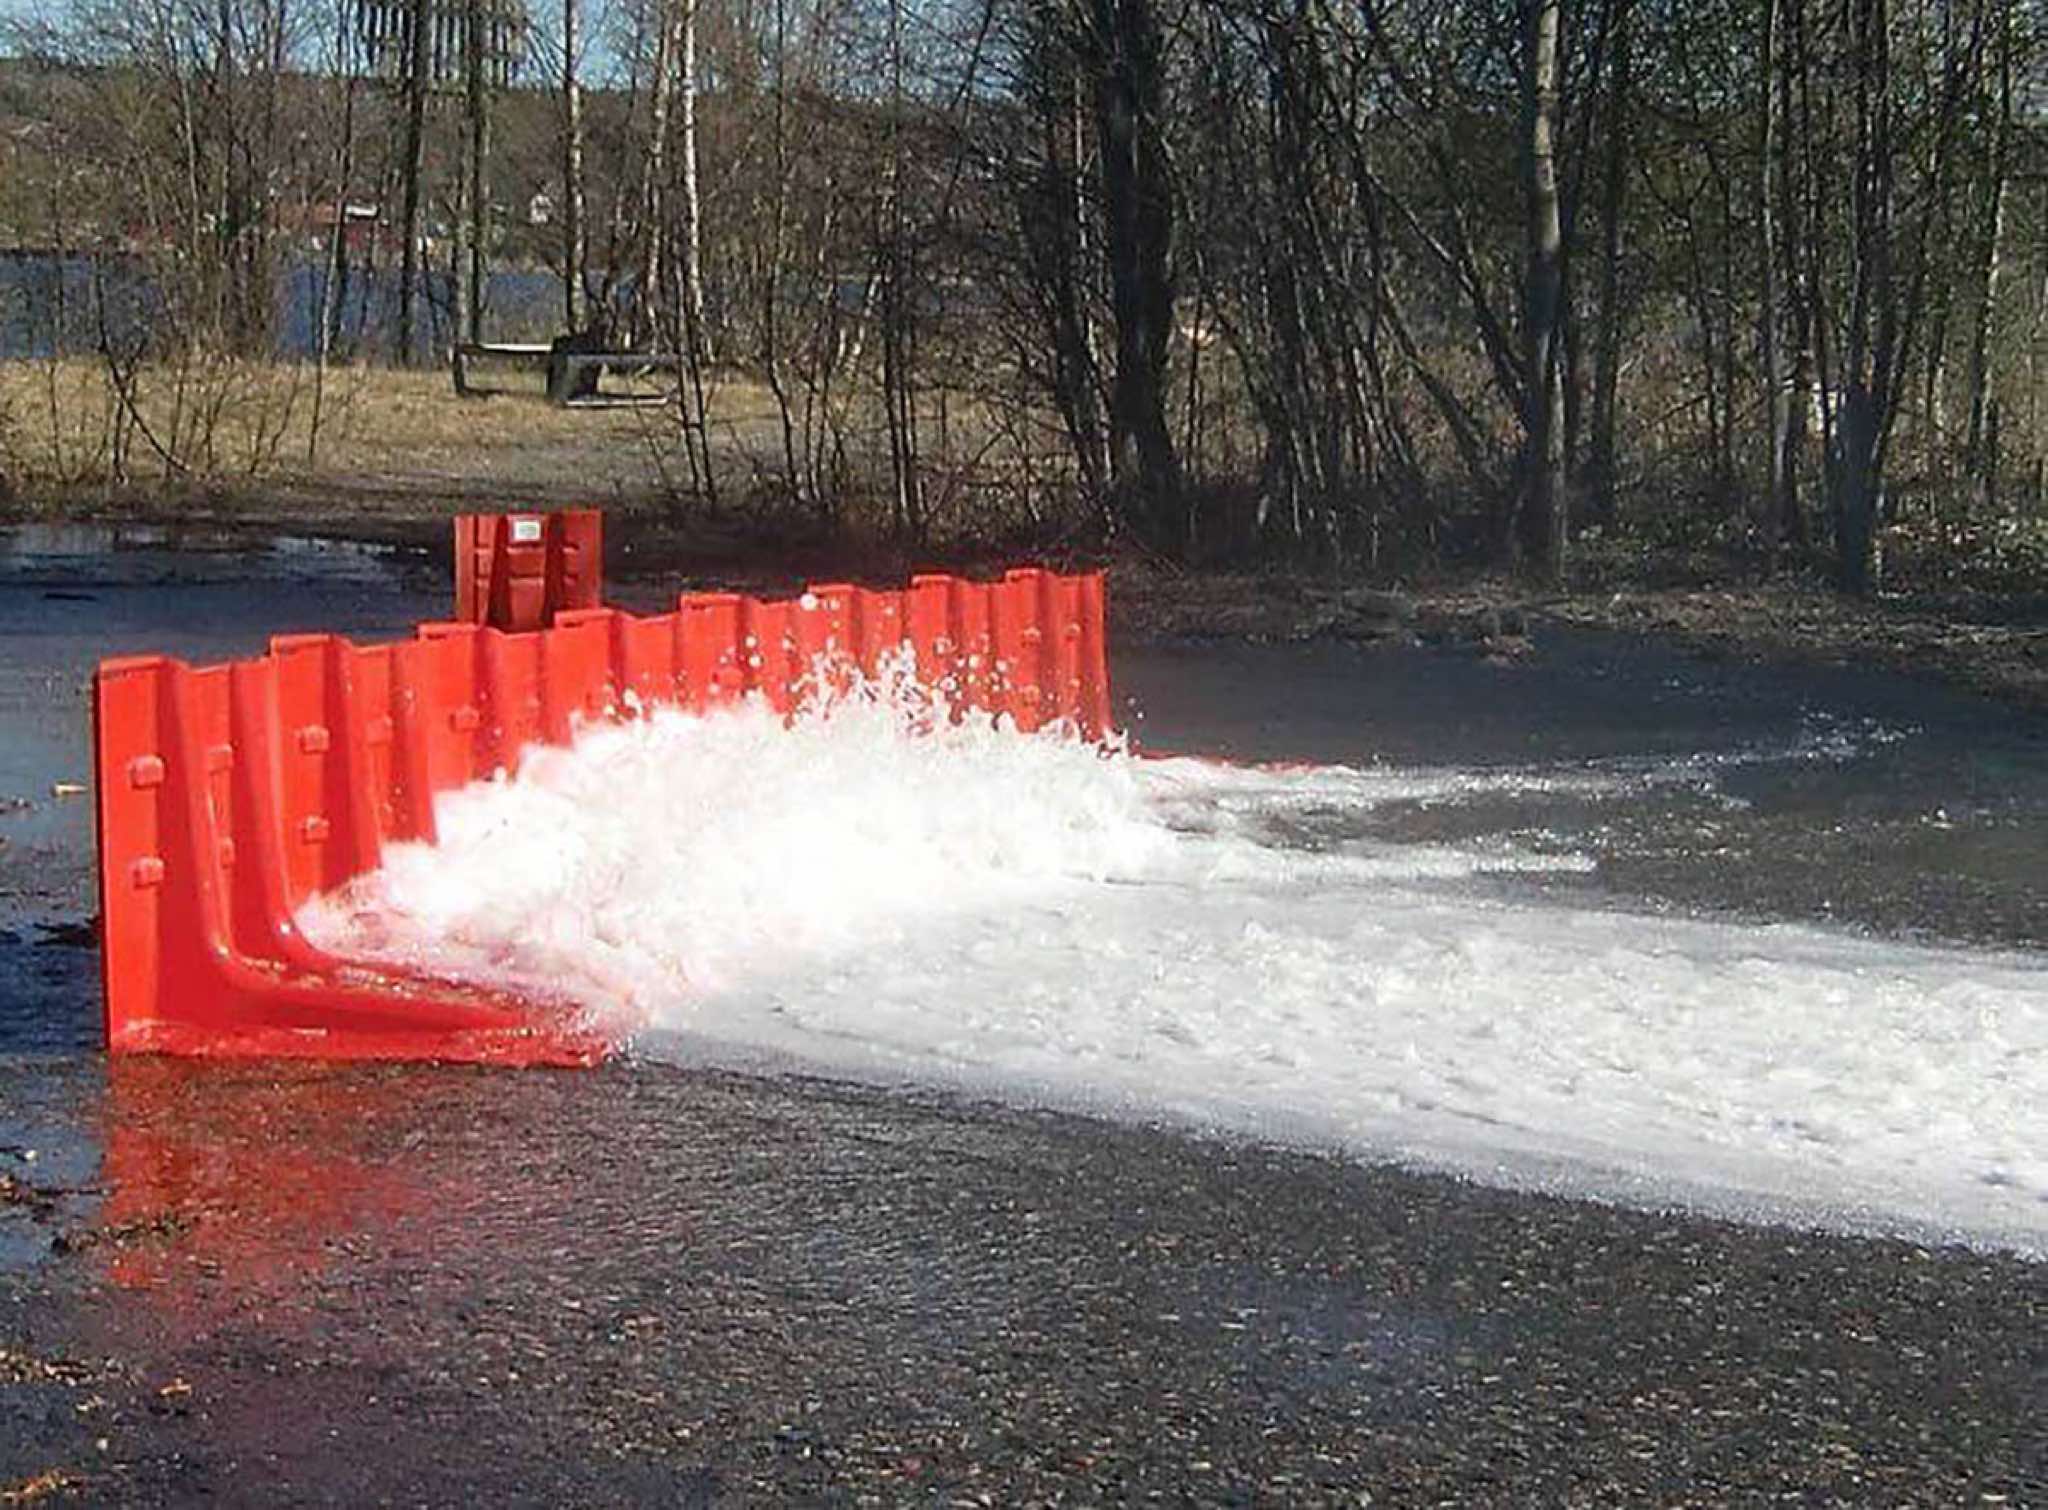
x: 1995, y: 646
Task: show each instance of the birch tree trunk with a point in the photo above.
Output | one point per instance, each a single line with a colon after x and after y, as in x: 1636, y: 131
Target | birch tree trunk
x: 1777, y: 394
x: 1982, y: 464
x: 482, y: 14
x: 654, y: 162
x: 460, y: 289
x: 692, y: 233
x: 413, y: 168
x: 1544, y: 505
x: 572, y: 169
x: 337, y: 250
x: 1613, y: 206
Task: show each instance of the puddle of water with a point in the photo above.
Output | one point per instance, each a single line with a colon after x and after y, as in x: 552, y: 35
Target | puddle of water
x: 76, y: 557
x: 71, y: 595
x: 50, y: 1148
x: 1776, y: 794
x: 49, y: 989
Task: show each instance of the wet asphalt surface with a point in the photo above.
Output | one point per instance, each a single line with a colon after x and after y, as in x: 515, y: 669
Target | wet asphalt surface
x: 252, y: 1284
x: 662, y: 1287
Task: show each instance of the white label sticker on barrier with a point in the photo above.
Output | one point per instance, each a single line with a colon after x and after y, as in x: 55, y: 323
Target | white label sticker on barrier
x: 525, y: 530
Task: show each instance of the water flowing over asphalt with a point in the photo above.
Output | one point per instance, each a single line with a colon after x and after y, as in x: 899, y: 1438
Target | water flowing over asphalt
x: 931, y: 1180
x: 870, y: 894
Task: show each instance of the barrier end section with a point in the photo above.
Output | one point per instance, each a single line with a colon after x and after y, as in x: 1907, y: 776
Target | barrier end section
x: 202, y: 865
x: 517, y: 571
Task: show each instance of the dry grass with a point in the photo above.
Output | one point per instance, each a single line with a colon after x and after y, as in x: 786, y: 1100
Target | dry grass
x: 228, y: 425
x: 395, y: 446
x: 382, y: 419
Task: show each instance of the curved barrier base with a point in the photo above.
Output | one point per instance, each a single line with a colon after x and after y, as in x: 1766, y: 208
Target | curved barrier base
x: 535, y: 1045
x: 241, y: 1008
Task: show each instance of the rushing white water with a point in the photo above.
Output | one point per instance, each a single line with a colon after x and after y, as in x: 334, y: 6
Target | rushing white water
x: 1035, y: 917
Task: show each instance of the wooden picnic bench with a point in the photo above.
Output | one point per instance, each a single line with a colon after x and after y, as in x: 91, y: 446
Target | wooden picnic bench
x: 573, y: 377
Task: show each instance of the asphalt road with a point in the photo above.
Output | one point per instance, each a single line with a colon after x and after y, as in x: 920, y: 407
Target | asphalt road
x: 656, y: 1286
x: 668, y: 1285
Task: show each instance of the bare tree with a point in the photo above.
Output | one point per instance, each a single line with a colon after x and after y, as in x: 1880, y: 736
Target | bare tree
x: 572, y: 166
x: 331, y: 282
x: 1545, y: 504
x: 1126, y: 55
x: 1361, y: 285
x: 1779, y: 499
x: 691, y: 249
x: 416, y: 84
x: 1616, y: 129
x: 1980, y: 447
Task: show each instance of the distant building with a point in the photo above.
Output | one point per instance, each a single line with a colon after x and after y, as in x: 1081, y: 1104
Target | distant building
x: 362, y: 225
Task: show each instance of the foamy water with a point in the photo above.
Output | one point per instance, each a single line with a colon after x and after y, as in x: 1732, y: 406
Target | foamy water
x: 1037, y: 918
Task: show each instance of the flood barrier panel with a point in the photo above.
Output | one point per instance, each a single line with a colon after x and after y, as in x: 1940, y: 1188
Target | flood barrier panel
x: 228, y: 795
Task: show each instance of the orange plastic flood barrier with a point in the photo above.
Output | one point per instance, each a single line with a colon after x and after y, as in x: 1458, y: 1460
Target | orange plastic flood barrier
x: 230, y: 794
x: 517, y: 571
